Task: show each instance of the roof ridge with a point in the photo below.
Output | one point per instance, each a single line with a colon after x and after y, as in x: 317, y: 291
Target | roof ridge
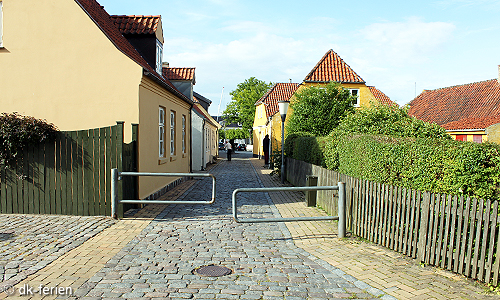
x: 459, y: 85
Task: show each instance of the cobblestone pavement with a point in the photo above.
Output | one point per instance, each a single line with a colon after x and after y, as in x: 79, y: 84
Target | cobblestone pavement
x: 159, y: 262
x: 28, y: 243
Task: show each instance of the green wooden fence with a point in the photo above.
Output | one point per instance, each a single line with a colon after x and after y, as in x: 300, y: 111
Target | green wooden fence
x: 459, y: 234
x: 70, y: 175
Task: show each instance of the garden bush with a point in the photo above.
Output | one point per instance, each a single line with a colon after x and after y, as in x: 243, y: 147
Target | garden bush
x: 18, y: 132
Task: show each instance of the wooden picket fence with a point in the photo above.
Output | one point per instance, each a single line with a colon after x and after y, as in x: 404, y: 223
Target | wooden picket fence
x: 458, y: 234
x: 69, y: 175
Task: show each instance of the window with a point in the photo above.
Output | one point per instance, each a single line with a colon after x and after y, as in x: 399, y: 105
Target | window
x: 477, y: 138
x: 461, y: 137
x: 1, y: 21
x: 161, y: 131
x: 183, y: 134
x: 172, y: 132
x: 159, y: 55
x: 355, y: 93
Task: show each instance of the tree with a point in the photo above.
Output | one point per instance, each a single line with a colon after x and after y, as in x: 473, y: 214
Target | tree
x: 318, y: 110
x: 242, y: 107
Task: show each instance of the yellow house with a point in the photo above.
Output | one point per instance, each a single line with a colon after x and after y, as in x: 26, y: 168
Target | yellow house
x: 267, y: 118
x: 71, y: 63
x: 468, y: 112
x: 330, y: 68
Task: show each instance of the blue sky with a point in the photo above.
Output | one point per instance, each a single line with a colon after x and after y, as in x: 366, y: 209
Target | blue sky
x: 398, y: 46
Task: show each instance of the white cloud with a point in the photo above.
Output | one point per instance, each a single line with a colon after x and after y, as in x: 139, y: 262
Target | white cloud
x: 401, y: 42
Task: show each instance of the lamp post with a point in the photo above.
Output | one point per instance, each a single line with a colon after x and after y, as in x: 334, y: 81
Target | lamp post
x: 283, y: 106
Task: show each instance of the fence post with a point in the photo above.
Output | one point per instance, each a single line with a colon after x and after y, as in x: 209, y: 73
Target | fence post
x: 423, y: 227
x: 342, y: 211
x: 114, y: 195
x: 311, y: 180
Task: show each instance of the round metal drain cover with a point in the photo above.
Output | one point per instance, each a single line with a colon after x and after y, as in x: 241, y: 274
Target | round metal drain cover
x: 213, y: 271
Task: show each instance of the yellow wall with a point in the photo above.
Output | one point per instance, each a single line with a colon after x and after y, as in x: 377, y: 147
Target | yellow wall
x: 152, y: 97
x: 57, y: 65
x: 470, y: 135
x: 259, y: 129
x: 493, y: 133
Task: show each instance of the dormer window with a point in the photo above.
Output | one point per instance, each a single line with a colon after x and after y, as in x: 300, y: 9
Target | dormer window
x: 159, y: 55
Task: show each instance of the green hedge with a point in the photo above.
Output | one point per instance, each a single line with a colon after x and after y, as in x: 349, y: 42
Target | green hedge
x: 436, y: 165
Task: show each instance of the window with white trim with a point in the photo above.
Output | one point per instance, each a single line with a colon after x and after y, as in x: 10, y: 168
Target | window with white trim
x: 183, y: 134
x: 159, y: 57
x: 1, y: 23
x: 161, y: 131
x: 355, y: 93
x: 172, y: 132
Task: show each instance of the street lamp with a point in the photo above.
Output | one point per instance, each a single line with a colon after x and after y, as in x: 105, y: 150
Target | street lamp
x: 283, y: 106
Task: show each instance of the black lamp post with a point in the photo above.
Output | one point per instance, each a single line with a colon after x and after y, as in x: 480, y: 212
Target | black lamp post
x: 283, y: 106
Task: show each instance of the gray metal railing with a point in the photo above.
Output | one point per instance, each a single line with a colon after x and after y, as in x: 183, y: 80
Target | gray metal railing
x: 115, y: 176
x: 341, y: 206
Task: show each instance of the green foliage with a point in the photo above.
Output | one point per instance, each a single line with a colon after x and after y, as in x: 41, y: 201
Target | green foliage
x: 389, y: 120
x: 435, y: 165
x: 242, y: 107
x: 232, y: 134
x: 318, y: 110
x: 17, y: 132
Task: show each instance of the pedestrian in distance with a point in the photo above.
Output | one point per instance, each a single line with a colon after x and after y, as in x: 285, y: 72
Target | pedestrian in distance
x: 265, y: 147
x: 229, y: 150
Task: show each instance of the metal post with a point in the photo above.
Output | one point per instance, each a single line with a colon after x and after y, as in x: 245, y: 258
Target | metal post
x: 114, y: 194
x: 342, y: 210
x: 311, y: 180
x: 282, y: 151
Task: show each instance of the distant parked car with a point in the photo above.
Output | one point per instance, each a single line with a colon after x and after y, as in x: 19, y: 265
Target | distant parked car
x: 221, y: 146
x: 241, y: 147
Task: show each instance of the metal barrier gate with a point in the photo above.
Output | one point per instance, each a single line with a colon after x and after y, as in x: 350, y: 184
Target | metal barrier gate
x: 341, y: 206
x: 115, y: 176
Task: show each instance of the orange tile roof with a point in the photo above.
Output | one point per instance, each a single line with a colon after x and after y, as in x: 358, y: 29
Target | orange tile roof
x: 278, y: 92
x: 179, y: 73
x: 445, y: 105
x: 333, y: 68
x: 104, y: 21
x: 136, y: 24
x: 381, y: 97
x: 472, y: 123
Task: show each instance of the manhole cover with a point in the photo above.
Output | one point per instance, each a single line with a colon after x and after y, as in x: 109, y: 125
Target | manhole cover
x: 213, y: 271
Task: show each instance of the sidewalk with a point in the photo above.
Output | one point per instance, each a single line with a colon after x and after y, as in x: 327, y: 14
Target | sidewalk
x: 389, y: 271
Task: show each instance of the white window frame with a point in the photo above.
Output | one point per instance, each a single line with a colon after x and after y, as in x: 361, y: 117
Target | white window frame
x: 159, y: 57
x: 172, y: 132
x: 161, y: 132
x: 183, y: 134
x: 357, y: 104
x: 1, y: 24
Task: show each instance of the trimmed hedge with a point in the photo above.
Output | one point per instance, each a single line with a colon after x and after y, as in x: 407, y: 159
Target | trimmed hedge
x: 435, y: 165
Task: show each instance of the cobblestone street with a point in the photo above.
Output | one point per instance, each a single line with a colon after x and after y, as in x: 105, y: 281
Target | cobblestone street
x: 265, y: 263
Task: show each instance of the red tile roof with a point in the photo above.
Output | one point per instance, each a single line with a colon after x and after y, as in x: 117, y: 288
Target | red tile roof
x: 445, y: 105
x: 104, y: 21
x: 179, y: 73
x: 136, y: 24
x: 333, y: 68
x: 472, y: 123
x: 278, y: 92
x: 381, y: 97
